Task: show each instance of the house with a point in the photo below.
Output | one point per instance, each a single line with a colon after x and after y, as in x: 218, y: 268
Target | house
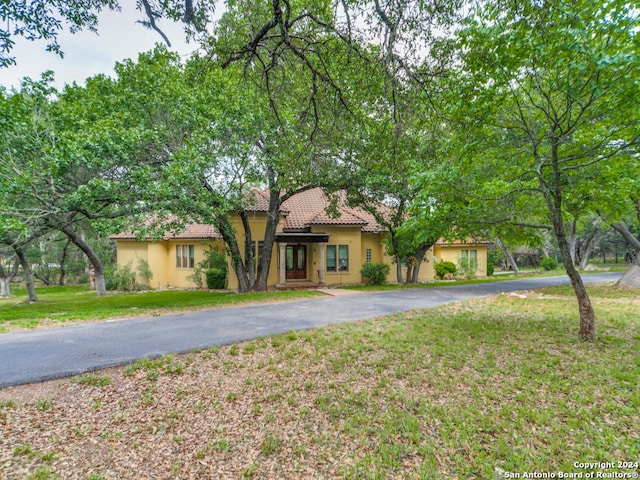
x: 470, y: 252
x: 171, y: 259
x: 318, y: 242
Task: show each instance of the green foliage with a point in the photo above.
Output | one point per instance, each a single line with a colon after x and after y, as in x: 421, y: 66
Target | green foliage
x: 214, y: 259
x: 467, y: 268
x: 442, y: 268
x: 375, y: 273
x: 93, y: 380
x: 196, y: 277
x: 491, y: 262
x: 216, y: 279
x: 549, y: 263
x: 120, y: 278
x: 78, y: 303
x: 144, y: 271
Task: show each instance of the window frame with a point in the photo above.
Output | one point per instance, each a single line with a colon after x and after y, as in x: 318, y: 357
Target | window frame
x: 337, y: 255
x: 185, y: 256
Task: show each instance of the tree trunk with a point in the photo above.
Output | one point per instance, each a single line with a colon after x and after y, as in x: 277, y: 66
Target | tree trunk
x: 228, y: 235
x: 273, y: 217
x: 508, y: 257
x: 91, y: 255
x: 5, y: 287
x: 5, y: 279
x: 28, y: 274
x: 250, y: 263
x: 398, y: 269
x: 573, y: 241
x: 589, y: 243
x: 553, y: 197
x: 587, y: 314
x: 423, y: 248
x: 409, y: 274
x: 63, y: 267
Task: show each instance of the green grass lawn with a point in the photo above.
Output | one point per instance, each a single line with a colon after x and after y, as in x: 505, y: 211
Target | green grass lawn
x: 62, y: 305
x: 499, y: 277
x: 461, y: 391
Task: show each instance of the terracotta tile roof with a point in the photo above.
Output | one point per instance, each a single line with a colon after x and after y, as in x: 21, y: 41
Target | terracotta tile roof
x: 345, y: 218
x: 257, y: 201
x: 193, y: 231
x: 300, y: 211
x: 310, y: 208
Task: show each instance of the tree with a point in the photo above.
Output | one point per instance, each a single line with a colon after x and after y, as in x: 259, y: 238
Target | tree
x: 553, y: 106
x: 245, y: 140
x: 8, y: 270
x: 44, y: 19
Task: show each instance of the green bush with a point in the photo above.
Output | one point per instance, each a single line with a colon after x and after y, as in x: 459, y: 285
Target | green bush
x: 375, y: 273
x: 216, y: 279
x: 213, y: 259
x: 442, y: 268
x: 467, y: 268
x: 491, y: 263
x: 144, y: 271
x: 549, y: 263
x: 120, y: 278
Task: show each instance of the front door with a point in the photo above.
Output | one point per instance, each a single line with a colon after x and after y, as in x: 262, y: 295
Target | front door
x: 296, y: 262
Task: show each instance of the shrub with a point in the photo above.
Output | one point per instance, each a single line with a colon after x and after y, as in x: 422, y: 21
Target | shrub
x: 467, y: 268
x: 548, y: 263
x: 121, y: 278
x: 442, y: 268
x: 216, y: 279
x: 144, y: 271
x: 491, y: 263
x: 375, y: 273
x: 213, y: 259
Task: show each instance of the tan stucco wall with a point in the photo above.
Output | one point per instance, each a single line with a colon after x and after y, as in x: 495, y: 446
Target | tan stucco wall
x: 376, y: 243
x: 451, y: 253
x: 129, y: 254
x: 347, y: 235
x: 161, y: 256
x: 159, y: 263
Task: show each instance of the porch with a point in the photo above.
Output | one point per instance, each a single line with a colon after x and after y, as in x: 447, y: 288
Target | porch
x: 299, y: 255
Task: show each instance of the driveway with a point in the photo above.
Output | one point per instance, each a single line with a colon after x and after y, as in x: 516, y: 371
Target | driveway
x: 50, y: 353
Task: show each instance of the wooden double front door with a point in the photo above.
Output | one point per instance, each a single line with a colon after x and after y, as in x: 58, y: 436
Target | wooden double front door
x: 296, y: 264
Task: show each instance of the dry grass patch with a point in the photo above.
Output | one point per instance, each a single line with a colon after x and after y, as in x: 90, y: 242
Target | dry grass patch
x: 454, y: 392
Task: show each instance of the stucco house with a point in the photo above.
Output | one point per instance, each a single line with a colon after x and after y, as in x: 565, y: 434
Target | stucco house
x: 317, y: 243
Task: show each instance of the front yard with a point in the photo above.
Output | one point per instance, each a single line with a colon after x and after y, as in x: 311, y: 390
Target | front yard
x: 462, y: 391
x: 59, y: 306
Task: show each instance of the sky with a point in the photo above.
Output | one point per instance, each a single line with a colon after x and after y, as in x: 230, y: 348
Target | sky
x: 87, y: 53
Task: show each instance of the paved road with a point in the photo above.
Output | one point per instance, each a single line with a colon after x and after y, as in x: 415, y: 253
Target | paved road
x: 45, y: 354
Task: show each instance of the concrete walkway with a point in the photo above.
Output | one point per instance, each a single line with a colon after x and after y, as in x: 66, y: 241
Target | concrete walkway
x: 49, y: 353
x: 337, y: 292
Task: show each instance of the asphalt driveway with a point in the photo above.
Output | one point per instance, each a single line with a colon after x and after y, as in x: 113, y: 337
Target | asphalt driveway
x: 50, y: 353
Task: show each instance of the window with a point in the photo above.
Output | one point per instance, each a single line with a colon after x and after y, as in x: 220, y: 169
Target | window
x: 368, y: 255
x: 343, y: 258
x: 331, y: 258
x: 337, y: 258
x: 469, y: 258
x: 185, y: 256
